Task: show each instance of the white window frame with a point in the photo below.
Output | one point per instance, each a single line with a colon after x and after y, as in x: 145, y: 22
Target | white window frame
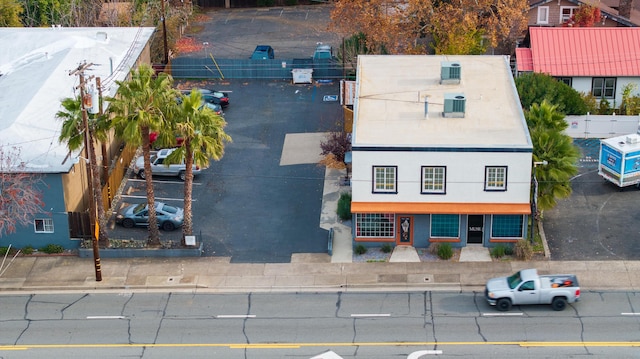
x: 385, y: 179
x: 434, y: 179
x: 571, y: 9
x: 543, y: 15
x: 386, y: 223
x: 47, y: 225
x: 495, y: 178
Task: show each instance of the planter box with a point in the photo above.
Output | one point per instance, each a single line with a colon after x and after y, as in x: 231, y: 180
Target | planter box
x: 142, y: 252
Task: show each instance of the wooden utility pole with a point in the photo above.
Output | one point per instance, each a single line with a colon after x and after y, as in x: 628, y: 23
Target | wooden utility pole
x: 88, y: 145
x: 164, y: 34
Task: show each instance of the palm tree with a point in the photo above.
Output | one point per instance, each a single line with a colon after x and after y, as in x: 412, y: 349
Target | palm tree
x: 203, y: 137
x: 552, y: 145
x: 140, y: 107
x: 72, y: 133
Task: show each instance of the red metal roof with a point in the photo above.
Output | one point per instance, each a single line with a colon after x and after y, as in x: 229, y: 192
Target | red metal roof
x: 523, y: 59
x: 585, y: 51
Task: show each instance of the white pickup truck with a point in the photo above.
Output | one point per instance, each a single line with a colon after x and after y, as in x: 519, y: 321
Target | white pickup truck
x: 527, y: 287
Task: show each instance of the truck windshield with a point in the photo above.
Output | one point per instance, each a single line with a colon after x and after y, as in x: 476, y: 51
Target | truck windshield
x: 514, y: 280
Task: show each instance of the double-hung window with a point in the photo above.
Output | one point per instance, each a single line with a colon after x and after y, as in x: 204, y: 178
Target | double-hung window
x: 543, y: 15
x: 385, y: 179
x: 433, y: 179
x: 495, y: 178
x: 603, y: 87
x: 44, y: 225
x: 566, y: 12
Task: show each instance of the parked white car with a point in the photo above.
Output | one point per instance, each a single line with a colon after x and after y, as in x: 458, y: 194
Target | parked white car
x: 159, y: 168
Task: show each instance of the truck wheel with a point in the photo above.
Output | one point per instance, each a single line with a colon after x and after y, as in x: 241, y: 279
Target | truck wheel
x: 504, y: 304
x: 182, y: 175
x: 141, y: 174
x: 559, y: 303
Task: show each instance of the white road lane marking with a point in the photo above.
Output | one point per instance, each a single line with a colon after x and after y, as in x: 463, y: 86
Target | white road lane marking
x: 233, y: 316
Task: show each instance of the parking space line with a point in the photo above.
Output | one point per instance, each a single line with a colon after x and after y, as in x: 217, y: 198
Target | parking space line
x: 159, y: 198
x: 172, y: 182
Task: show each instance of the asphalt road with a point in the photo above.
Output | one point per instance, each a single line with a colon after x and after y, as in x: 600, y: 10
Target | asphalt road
x: 307, y: 326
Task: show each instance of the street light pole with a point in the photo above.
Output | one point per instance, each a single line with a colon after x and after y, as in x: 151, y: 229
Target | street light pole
x: 534, y: 200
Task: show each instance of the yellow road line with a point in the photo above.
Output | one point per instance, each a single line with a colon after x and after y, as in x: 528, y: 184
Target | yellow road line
x: 299, y: 345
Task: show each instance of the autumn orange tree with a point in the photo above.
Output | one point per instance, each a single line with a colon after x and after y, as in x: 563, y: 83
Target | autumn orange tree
x: 20, y: 196
x: 460, y: 27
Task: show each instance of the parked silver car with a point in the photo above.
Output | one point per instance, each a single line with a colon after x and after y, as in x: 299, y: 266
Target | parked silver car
x: 169, y: 217
x: 159, y: 168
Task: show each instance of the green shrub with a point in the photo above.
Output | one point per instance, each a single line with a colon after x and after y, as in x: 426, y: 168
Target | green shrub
x: 360, y: 249
x: 291, y: 2
x: 27, y: 250
x: 3, y: 250
x: 508, y: 250
x: 52, y: 248
x: 498, y: 251
x: 344, y: 206
x: 386, y: 248
x: 524, y: 250
x: 445, y: 251
x: 266, y: 2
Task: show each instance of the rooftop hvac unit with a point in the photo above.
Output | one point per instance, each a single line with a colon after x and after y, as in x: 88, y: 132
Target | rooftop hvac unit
x: 632, y: 140
x: 450, y: 72
x: 454, y: 105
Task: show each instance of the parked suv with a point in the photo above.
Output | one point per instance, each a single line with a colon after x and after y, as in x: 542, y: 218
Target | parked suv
x: 159, y: 168
x: 263, y: 52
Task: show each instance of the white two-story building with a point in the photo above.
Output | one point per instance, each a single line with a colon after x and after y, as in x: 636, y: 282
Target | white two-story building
x: 440, y: 152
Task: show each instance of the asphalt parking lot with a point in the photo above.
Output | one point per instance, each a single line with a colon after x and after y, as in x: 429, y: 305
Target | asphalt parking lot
x: 250, y: 206
x: 599, y: 221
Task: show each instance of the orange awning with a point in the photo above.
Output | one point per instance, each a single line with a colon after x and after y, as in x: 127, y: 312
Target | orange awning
x: 440, y: 208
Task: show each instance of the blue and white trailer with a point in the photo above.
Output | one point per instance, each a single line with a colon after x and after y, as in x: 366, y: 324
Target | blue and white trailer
x: 620, y: 160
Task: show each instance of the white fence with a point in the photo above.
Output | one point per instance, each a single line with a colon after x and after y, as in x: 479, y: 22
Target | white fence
x: 601, y: 126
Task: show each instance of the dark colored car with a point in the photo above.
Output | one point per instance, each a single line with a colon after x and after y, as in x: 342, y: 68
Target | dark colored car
x: 169, y: 217
x: 263, y: 52
x: 212, y: 97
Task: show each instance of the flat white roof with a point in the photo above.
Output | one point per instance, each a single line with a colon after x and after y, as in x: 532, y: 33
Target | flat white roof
x: 390, y: 108
x: 34, y: 77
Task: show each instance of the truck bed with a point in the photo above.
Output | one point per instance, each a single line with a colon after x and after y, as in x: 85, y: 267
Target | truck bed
x: 558, y: 281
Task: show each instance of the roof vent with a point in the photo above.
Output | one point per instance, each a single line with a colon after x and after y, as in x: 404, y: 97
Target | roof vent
x: 450, y: 72
x: 101, y: 36
x: 454, y: 105
x: 632, y: 140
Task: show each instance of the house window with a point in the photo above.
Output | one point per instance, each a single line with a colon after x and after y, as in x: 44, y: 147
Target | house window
x: 375, y: 225
x: 507, y: 226
x: 384, y: 179
x: 566, y: 80
x: 566, y: 12
x: 43, y: 225
x: 495, y: 178
x: 433, y: 179
x: 445, y: 225
x: 543, y: 15
x: 603, y: 87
